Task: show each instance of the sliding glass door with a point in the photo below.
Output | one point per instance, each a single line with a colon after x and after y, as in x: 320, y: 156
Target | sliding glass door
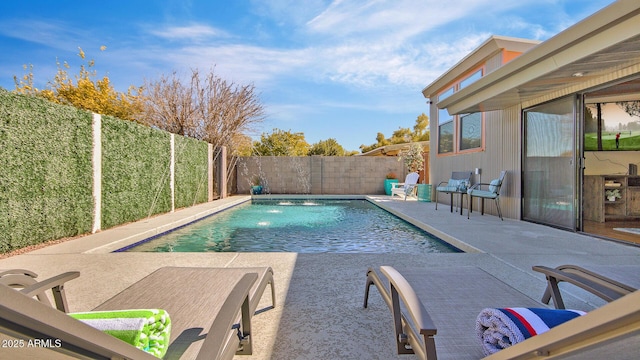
x: 549, y: 170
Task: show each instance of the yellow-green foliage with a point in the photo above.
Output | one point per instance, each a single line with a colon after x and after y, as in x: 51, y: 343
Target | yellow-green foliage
x: 86, y: 92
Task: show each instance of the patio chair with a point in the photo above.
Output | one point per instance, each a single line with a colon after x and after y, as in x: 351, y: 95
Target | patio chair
x: 406, y: 188
x: 220, y: 301
x: 492, y: 192
x: 457, y: 184
x: 592, y: 280
x: 440, y: 305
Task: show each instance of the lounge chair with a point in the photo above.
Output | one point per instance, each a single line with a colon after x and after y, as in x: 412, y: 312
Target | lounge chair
x: 457, y: 184
x: 406, y: 188
x: 492, y: 192
x: 593, y: 281
x: 440, y: 305
x: 21, y: 278
x: 204, y: 303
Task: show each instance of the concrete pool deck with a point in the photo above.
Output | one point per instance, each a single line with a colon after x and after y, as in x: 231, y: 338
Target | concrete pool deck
x: 319, y: 314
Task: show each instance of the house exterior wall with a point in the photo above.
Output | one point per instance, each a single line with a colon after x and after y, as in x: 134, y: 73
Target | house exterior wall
x: 598, y: 52
x: 503, y: 139
x: 503, y: 136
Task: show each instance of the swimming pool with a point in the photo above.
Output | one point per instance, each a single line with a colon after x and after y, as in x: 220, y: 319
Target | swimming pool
x: 302, y: 226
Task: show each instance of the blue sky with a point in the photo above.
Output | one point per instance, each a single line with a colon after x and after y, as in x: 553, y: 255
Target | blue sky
x: 343, y: 69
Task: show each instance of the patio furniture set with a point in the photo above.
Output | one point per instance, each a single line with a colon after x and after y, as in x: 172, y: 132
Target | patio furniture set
x: 459, y: 184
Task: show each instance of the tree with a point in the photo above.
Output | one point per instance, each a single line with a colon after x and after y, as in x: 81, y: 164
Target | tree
x: 402, y: 135
x: 87, y: 92
x: 329, y: 147
x: 380, y: 141
x: 421, y: 128
x: 205, y: 107
x: 281, y: 143
x: 630, y: 107
x: 171, y: 105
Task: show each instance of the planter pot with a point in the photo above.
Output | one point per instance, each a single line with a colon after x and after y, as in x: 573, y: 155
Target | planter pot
x: 387, y: 185
x: 612, y: 198
x: 256, y: 190
x: 424, y: 192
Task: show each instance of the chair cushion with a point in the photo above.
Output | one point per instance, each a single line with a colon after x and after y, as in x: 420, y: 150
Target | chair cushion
x: 447, y: 188
x: 494, y: 185
x: 482, y: 194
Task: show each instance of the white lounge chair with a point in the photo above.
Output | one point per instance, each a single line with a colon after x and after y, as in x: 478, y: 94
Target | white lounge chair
x: 406, y: 188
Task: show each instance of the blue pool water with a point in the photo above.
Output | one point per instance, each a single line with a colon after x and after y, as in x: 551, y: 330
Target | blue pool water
x: 312, y: 226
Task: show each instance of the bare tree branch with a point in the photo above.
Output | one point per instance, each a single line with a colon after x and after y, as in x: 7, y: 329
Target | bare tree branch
x: 208, y: 107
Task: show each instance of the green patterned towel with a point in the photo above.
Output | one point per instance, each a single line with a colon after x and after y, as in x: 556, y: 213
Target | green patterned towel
x: 146, y: 329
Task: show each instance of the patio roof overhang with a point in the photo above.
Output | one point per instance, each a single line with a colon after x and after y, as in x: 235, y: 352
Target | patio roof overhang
x: 603, y: 47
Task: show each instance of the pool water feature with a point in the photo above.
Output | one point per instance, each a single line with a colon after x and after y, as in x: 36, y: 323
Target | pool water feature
x: 302, y: 226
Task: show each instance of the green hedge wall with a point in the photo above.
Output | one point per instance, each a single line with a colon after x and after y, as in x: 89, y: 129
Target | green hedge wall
x: 46, y: 174
x: 135, y: 171
x: 45, y: 171
x: 191, y: 180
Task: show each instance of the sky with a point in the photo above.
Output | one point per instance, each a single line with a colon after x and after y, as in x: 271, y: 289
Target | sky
x: 341, y: 69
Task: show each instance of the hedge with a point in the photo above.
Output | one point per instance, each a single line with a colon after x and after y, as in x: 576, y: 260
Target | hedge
x: 191, y: 178
x: 45, y: 171
x: 135, y: 171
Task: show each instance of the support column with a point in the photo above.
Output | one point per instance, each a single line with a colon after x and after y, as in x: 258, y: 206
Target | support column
x: 210, y: 176
x: 96, y: 160
x: 221, y: 172
x: 172, y: 172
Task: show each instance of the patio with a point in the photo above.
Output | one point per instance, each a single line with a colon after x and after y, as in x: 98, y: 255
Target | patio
x: 319, y: 313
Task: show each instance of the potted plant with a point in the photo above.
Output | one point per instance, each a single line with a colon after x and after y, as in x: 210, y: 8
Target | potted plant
x: 613, y: 194
x: 414, y: 161
x: 391, y: 178
x: 412, y: 157
x: 256, y: 187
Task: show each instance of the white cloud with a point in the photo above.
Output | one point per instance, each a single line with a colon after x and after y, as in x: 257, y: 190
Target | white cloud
x: 50, y: 33
x: 394, y: 18
x: 189, y: 32
x: 283, y: 12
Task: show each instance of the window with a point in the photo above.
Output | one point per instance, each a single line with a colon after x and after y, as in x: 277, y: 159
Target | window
x: 460, y: 132
x: 470, y: 79
x: 445, y: 132
x: 446, y: 94
x: 470, y: 131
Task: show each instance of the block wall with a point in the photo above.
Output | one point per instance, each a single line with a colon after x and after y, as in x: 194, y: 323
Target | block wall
x: 339, y: 175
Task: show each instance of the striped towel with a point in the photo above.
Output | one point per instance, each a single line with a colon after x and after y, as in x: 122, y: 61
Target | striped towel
x: 500, y: 328
x: 146, y: 329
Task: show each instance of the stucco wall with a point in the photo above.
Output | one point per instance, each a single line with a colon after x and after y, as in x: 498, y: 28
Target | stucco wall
x: 339, y: 175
